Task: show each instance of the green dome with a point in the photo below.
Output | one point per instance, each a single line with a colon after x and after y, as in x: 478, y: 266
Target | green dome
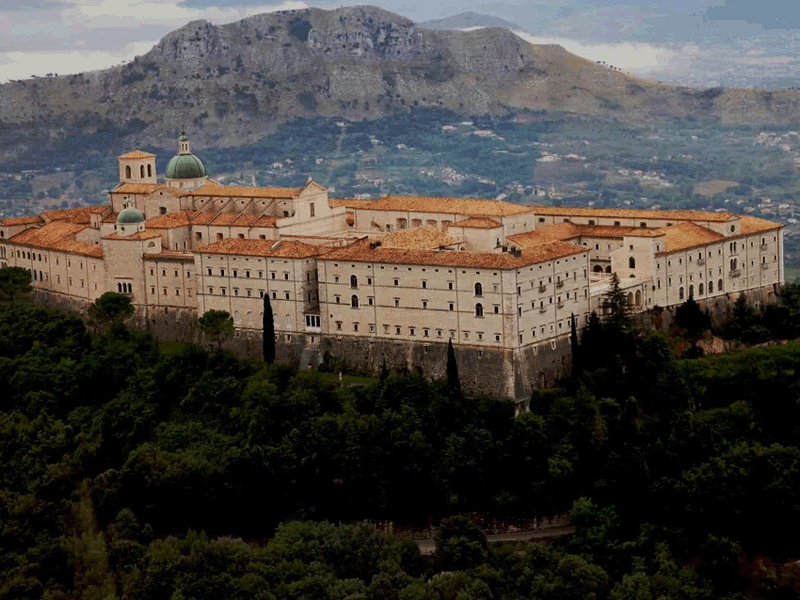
x: 130, y: 215
x: 185, y: 166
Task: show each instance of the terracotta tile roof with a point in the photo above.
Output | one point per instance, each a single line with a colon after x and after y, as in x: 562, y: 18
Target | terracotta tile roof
x: 166, y: 254
x: 215, y: 189
x: 136, y: 154
x: 138, y: 188
x: 266, y: 221
x: 609, y: 231
x: 29, y: 220
x: 139, y: 235
x: 757, y: 225
x: 203, y: 217
x: 558, y: 231
x: 58, y: 235
x: 670, y: 215
x: 687, y: 235
x: 110, y: 217
x: 169, y: 221
x: 455, y: 206
x: 349, y: 202
x: 363, y: 251
x: 418, y: 238
x: 477, y: 223
x: 76, y: 215
x: 285, y: 249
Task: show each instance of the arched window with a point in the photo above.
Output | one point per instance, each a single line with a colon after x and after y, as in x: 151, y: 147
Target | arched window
x: 630, y: 299
x: 479, y: 310
x: 237, y: 319
x: 289, y: 322
x: 608, y: 269
x: 733, y: 264
x: 680, y: 294
x: 631, y: 263
x: 700, y: 289
x: 353, y: 281
x: 478, y: 289
x: 141, y: 171
x: 638, y: 298
x: 149, y: 170
x: 119, y: 287
x: 249, y: 321
x: 34, y: 275
x: 597, y: 269
x: 691, y: 291
x: 719, y: 286
x: 127, y: 172
x: 710, y: 287
x: 354, y: 301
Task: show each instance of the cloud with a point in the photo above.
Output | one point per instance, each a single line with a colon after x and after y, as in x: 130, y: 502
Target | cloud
x: 637, y: 58
x: 45, y: 36
x: 769, y: 14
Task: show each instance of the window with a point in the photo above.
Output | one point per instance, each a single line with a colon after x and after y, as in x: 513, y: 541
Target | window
x: 449, y: 285
x: 272, y: 275
x: 370, y: 300
x: 479, y: 310
x: 286, y: 295
x: 355, y: 326
x: 397, y: 302
x: 397, y: 329
x: 631, y: 263
x: 451, y: 306
x: 286, y: 276
x: 353, y: 281
x: 478, y: 289
x: 426, y: 332
x: 680, y: 293
x: 311, y: 209
x: 424, y: 304
x: 397, y: 282
x: 338, y: 325
x: 497, y: 309
x: 424, y: 284
x: 354, y: 301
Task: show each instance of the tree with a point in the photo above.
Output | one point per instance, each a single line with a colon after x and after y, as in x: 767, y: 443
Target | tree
x: 111, y: 310
x: 216, y: 324
x: 268, y: 331
x: 577, y: 365
x: 460, y: 544
x: 617, y: 303
x: 453, y: 382
x: 689, y: 316
x: 15, y: 284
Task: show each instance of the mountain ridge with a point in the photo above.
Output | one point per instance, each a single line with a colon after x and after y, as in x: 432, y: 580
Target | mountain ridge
x: 235, y: 83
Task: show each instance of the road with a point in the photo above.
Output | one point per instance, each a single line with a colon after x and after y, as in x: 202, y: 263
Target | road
x: 427, y: 546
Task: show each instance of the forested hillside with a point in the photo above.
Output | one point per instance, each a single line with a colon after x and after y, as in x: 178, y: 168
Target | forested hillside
x: 135, y: 470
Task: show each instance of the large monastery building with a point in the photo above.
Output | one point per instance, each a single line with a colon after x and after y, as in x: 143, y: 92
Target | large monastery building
x: 389, y: 281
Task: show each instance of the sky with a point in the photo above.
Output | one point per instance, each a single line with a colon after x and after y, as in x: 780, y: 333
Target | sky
x: 693, y: 42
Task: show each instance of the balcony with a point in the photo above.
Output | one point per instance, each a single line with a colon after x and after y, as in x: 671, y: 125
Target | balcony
x: 701, y: 262
x: 559, y: 284
x: 735, y: 273
x: 764, y: 266
x: 542, y: 310
x: 764, y: 247
x: 560, y: 304
x: 542, y: 289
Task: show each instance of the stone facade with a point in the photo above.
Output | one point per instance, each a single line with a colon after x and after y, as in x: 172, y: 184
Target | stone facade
x: 363, y: 283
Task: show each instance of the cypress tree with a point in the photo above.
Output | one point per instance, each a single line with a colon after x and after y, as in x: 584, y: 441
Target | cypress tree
x: 453, y: 382
x: 268, y: 327
x: 577, y: 366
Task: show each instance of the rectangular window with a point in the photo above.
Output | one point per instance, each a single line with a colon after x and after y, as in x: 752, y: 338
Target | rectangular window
x: 451, y: 306
x: 286, y: 294
x: 397, y: 302
x: 177, y: 292
x: 397, y: 282
x: 424, y: 284
x: 311, y: 208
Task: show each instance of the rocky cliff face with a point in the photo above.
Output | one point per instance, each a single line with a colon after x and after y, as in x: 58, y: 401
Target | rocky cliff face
x: 233, y: 83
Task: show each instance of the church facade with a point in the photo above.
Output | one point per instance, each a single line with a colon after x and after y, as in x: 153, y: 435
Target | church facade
x: 389, y: 281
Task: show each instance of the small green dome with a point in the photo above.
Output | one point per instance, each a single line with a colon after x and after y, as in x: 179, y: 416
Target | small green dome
x: 130, y: 215
x: 185, y: 166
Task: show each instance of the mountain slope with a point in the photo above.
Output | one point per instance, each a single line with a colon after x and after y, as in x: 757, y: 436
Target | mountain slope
x: 233, y: 83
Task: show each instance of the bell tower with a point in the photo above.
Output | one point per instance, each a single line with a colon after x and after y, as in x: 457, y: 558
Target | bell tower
x: 137, y: 167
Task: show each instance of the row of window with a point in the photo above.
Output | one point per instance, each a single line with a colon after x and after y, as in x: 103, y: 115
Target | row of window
x: 40, y: 258
x: 176, y: 272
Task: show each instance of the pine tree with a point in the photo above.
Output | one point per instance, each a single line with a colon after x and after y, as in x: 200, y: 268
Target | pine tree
x: 453, y: 382
x: 268, y: 331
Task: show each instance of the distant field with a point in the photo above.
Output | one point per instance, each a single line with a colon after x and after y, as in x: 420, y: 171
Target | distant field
x: 713, y: 187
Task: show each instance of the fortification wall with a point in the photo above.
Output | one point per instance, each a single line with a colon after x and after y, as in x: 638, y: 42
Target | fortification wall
x: 719, y: 307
